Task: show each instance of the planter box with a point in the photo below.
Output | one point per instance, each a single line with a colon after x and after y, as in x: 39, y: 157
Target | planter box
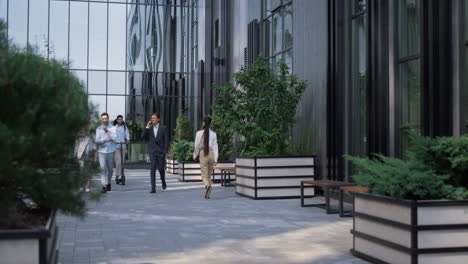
x: 387, y: 230
x: 171, y: 166
x: 34, y: 246
x: 274, y: 177
x: 189, y: 171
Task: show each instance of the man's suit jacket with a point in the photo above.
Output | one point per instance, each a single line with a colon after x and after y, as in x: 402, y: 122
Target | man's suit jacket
x: 156, y: 145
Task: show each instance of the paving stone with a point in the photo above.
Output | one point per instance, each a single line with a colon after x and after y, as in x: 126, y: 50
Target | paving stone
x: 179, y: 226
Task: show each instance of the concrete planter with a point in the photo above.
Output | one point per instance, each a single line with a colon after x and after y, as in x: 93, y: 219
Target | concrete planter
x: 189, y: 171
x: 387, y: 230
x: 274, y: 177
x: 34, y: 246
x: 171, y: 166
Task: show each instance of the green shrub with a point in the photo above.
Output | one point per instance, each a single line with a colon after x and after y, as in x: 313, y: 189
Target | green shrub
x: 44, y: 108
x: 183, y: 129
x: 183, y: 150
x: 182, y: 132
x: 265, y: 108
x: 223, y: 119
x: 403, y: 179
x: 444, y: 155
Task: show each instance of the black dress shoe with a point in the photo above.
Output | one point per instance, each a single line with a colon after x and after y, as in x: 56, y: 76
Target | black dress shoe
x: 108, y: 187
x: 164, y: 186
x: 104, y: 189
x: 153, y: 191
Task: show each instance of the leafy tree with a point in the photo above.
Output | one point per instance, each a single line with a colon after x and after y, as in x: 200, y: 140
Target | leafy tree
x: 183, y: 129
x: 44, y: 108
x: 224, y: 118
x: 263, y: 108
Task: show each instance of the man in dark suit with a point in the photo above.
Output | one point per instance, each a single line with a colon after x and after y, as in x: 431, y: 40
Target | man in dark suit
x: 158, y: 141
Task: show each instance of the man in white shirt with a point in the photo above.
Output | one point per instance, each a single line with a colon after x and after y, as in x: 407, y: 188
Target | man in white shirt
x: 105, y: 135
x: 158, y: 142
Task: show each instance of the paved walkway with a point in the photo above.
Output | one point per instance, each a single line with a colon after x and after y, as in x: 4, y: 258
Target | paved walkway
x: 178, y: 226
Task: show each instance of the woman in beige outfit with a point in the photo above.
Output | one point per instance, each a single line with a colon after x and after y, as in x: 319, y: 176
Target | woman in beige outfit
x: 206, y: 145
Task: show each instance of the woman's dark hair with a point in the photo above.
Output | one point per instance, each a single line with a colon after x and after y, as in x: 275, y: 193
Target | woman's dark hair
x: 206, y: 135
x: 115, y: 121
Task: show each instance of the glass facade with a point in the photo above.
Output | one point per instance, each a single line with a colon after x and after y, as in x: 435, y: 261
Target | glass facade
x: 277, y: 21
x: 134, y: 57
x: 359, y: 87
x: 409, y: 110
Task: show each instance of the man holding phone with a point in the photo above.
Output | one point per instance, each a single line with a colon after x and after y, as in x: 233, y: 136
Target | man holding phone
x: 105, y: 137
x: 158, y: 141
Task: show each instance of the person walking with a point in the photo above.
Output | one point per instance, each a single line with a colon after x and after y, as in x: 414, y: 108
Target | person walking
x: 105, y: 135
x: 206, y: 146
x: 158, y: 141
x: 85, y: 150
x: 122, y: 139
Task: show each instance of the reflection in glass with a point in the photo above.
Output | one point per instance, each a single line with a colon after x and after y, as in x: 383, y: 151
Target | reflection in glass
x: 3, y: 10
x: 58, y: 40
x: 287, y: 57
x: 115, y: 106
x: 359, y: 6
x: 117, y: 37
x: 18, y: 22
x: 410, y: 99
x: 116, y: 82
x: 82, y: 76
x: 288, y: 27
x: 277, y: 33
x: 38, y: 20
x: 97, y: 82
x: 135, y: 83
x: 465, y: 14
x: 97, y: 36
x: 136, y: 37
x: 78, y: 35
x: 358, y: 93
x: 408, y: 28
x: 465, y: 96
x: 99, y: 102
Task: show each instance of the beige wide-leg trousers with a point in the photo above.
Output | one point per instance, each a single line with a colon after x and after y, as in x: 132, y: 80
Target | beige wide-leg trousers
x: 206, y: 165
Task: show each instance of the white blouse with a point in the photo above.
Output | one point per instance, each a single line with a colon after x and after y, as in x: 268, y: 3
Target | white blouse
x: 213, y: 144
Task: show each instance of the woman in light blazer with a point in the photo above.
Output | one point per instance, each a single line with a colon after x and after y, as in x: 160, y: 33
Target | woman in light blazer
x: 206, y: 146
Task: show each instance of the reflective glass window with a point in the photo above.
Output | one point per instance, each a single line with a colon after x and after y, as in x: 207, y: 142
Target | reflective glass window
x: 97, y: 36
x: 38, y: 25
x: 78, y: 35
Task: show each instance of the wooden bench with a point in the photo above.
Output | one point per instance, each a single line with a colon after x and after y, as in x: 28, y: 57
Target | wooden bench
x: 326, y: 185
x: 349, y: 189
x: 226, y: 175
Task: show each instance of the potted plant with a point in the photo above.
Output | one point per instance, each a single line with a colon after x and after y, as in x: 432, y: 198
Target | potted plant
x: 222, y: 124
x: 262, y: 115
x: 182, y: 132
x: 188, y: 170
x: 417, y: 209
x: 43, y: 107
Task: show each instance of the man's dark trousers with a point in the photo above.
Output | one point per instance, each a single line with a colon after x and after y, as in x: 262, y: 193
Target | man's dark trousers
x: 158, y: 162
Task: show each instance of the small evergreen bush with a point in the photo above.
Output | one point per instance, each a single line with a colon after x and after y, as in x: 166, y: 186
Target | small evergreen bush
x: 183, y: 150
x: 444, y: 155
x: 44, y: 109
x: 436, y: 169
